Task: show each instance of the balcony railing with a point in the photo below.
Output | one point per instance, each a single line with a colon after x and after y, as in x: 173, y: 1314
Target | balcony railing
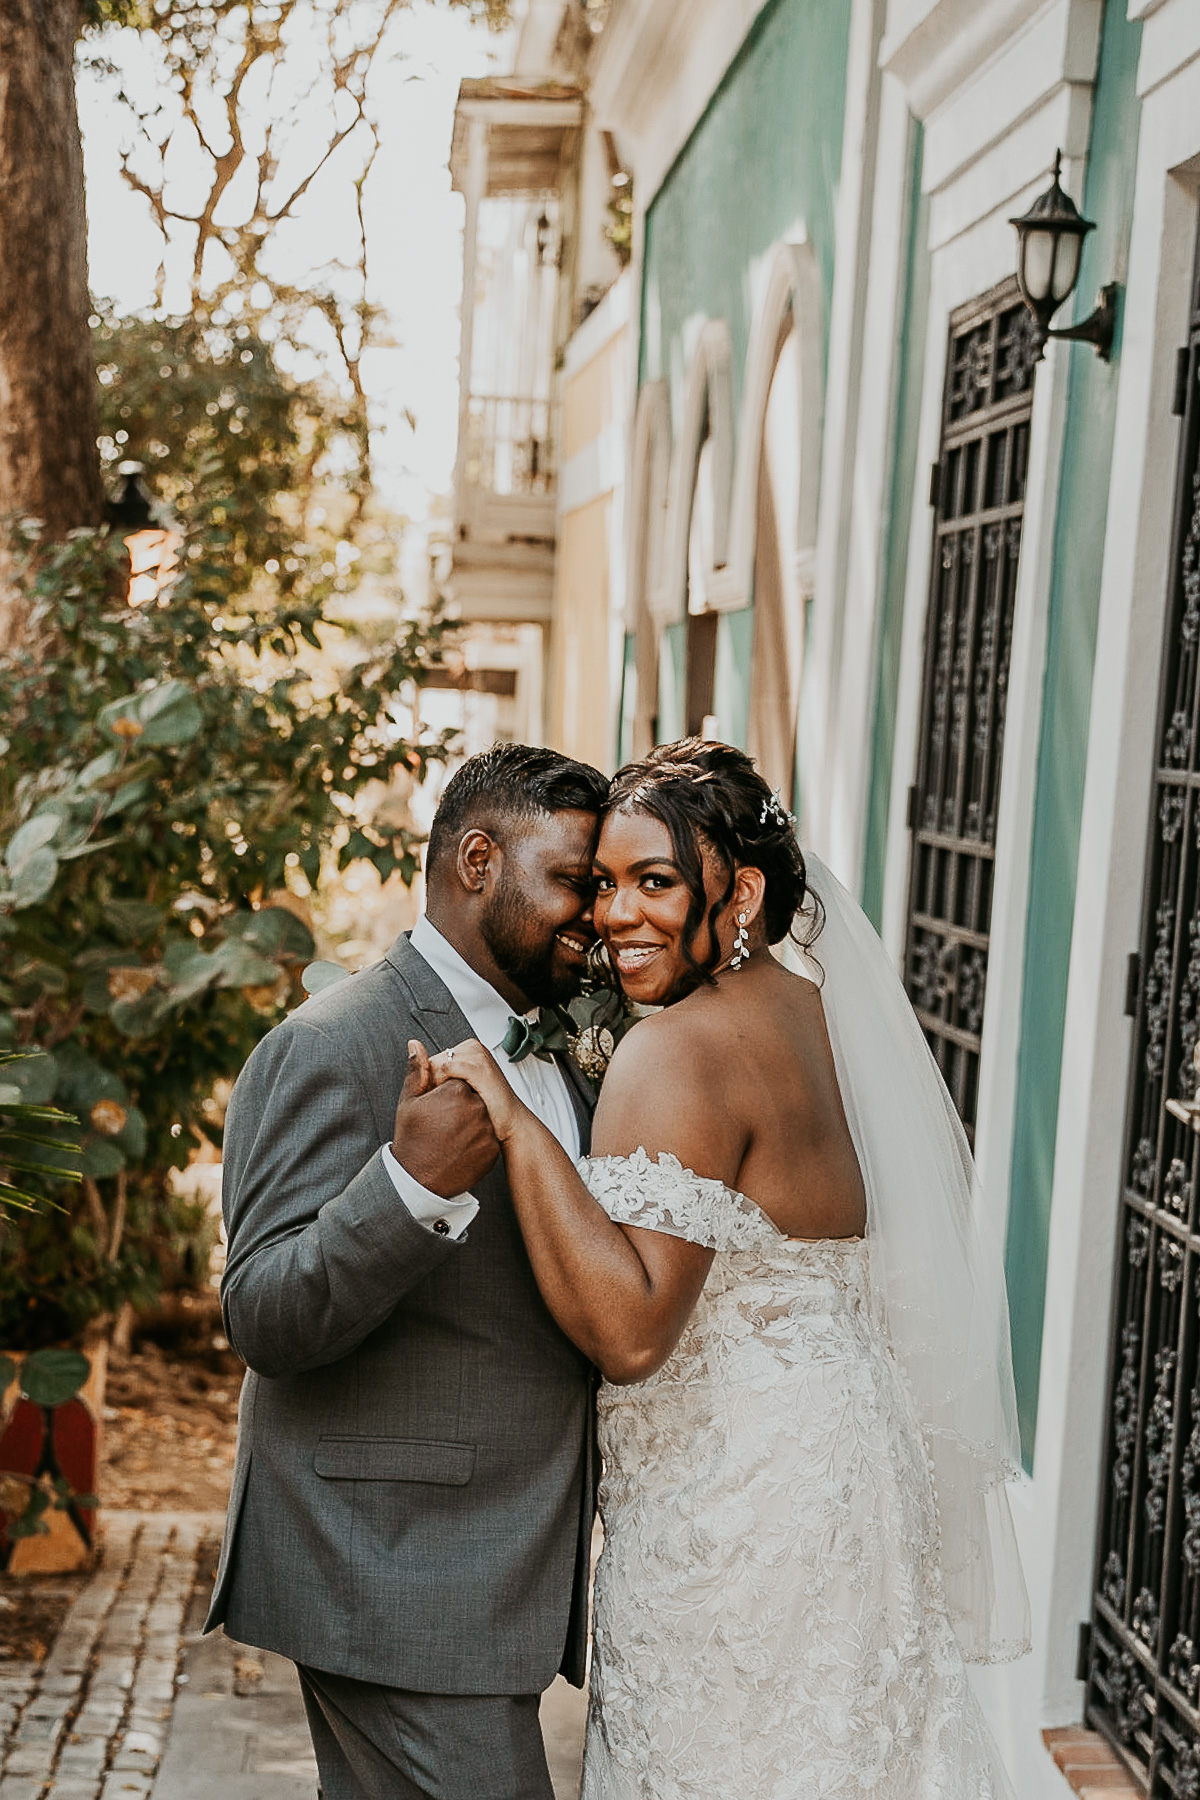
x: 509, y: 448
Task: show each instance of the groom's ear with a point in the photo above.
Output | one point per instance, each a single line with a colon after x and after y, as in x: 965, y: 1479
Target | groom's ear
x: 478, y: 856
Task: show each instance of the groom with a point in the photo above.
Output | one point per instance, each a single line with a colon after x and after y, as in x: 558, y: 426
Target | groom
x: 412, y: 1500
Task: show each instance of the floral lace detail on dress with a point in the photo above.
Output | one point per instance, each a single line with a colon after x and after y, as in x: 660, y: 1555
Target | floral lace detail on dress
x: 770, y: 1618
x: 659, y: 1194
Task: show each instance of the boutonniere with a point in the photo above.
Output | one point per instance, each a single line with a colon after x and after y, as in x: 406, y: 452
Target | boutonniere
x: 597, y: 1018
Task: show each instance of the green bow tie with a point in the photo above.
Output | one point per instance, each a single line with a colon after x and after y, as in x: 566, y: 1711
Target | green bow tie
x: 525, y: 1037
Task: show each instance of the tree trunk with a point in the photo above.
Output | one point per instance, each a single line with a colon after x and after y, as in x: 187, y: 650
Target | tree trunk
x: 49, y: 467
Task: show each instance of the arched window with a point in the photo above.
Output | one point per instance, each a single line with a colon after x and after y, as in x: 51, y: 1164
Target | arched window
x: 687, y: 604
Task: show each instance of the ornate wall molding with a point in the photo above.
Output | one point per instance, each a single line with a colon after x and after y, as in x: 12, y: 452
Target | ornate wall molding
x: 936, y: 46
x: 656, y: 67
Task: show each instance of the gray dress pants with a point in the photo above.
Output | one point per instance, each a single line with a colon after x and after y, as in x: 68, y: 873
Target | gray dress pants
x: 385, y: 1743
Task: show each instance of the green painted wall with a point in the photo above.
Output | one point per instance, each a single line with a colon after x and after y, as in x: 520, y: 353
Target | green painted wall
x: 628, y: 700
x: 672, y: 682
x: 909, y: 384
x: 731, y: 682
x: 761, y: 165
x: 1066, y: 709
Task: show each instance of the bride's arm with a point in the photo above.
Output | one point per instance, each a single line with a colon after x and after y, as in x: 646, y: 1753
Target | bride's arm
x: 622, y: 1294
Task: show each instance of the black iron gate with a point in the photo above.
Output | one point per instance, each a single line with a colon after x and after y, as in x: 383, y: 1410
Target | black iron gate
x: 1143, y: 1662
x: 979, y: 498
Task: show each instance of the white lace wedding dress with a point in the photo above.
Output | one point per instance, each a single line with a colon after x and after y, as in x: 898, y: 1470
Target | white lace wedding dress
x: 770, y: 1618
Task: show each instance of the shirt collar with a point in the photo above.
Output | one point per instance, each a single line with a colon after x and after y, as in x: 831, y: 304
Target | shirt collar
x: 486, y: 1011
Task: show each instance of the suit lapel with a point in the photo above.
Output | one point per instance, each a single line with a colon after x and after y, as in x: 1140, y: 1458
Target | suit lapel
x: 583, y: 1097
x: 434, y: 1008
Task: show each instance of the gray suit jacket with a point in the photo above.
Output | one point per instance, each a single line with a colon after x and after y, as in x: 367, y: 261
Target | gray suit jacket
x: 414, y: 1488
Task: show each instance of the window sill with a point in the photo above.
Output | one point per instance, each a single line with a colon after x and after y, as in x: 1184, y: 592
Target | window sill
x: 1087, y: 1764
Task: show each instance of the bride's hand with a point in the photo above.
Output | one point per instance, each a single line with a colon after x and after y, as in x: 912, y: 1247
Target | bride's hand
x: 470, y: 1062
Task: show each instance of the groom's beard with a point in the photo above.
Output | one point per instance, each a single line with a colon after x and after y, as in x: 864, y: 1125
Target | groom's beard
x: 525, y: 947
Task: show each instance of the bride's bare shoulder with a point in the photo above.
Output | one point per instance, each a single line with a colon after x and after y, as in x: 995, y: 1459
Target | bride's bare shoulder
x: 675, y: 1045
x: 662, y: 1092
x: 679, y: 1028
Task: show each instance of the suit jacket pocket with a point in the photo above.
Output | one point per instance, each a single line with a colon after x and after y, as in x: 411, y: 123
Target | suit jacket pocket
x: 393, y: 1459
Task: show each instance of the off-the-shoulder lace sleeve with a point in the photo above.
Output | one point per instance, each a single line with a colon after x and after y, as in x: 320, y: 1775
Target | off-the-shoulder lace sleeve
x: 659, y: 1194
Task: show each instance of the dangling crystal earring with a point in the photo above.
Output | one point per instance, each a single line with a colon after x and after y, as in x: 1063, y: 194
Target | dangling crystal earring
x: 741, y: 944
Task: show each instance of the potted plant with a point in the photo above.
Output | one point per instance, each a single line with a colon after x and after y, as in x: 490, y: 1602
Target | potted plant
x: 50, y: 1404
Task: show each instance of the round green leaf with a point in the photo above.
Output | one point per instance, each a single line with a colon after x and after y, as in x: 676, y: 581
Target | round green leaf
x: 118, y: 712
x: 320, y: 975
x: 166, y: 714
x: 273, y: 930
x: 100, y: 768
x: 141, y: 1018
x: 126, y: 796
x: 31, y: 836
x: 34, y: 878
x: 48, y: 1377
x: 100, y: 1158
x: 82, y: 1081
x: 169, y: 714
x: 241, y: 966
x: 189, y: 970
x: 36, y: 1075
x: 132, y: 1136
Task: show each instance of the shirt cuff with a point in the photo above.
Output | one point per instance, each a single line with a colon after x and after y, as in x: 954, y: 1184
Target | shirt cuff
x: 449, y: 1218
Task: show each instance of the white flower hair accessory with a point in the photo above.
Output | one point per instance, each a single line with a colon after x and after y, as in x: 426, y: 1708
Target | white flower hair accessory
x: 775, y: 809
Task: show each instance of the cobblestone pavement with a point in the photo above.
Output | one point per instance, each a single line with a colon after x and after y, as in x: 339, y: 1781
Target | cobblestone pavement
x: 92, y: 1719
x: 132, y: 1703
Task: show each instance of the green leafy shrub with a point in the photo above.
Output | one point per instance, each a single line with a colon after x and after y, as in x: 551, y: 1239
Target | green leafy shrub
x: 165, y: 770
x: 38, y: 1141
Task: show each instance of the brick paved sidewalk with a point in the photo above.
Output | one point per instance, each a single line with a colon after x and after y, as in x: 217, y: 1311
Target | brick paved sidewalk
x: 92, y: 1719
x: 133, y: 1704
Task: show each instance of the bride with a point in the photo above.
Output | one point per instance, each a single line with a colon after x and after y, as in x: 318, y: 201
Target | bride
x: 774, y: 1256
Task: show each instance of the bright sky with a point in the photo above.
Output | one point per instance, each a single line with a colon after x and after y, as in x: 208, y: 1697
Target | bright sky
x: 414, y: 229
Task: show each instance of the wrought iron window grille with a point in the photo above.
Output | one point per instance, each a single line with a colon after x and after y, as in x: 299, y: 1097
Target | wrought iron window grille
x: 978, y: 494
x: 1143, y: 1662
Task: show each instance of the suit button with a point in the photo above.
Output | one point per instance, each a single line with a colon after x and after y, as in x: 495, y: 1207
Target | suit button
x: 441, y: 1227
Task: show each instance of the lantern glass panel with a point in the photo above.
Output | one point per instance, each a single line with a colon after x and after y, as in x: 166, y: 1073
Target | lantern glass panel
x: 1037, y: 263
x: 1066, y: 265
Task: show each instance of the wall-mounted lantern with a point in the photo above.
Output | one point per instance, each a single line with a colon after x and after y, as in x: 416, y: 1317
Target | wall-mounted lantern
x: 545, y: 239
x: 151, y: 538
x: 1050, y: 238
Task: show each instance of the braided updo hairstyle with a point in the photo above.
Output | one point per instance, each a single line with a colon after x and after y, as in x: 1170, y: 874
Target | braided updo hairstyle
x: 709, y: 795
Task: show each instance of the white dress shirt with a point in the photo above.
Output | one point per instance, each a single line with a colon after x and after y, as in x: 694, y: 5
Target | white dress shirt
x: 538, y: 1081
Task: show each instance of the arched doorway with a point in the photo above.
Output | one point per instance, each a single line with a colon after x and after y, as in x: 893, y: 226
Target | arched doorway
x: 700, y: 661
x: 649, y: 478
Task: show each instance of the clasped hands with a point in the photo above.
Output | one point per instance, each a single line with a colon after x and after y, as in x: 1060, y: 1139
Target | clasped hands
x: 454, y: 1112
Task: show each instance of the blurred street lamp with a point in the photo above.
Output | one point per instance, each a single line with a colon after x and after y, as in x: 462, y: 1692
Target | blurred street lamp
x: 151, y: 537
x: 1050, y: 239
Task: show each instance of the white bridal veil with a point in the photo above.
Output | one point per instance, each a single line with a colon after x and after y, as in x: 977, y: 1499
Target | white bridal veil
x: 936, y: 1269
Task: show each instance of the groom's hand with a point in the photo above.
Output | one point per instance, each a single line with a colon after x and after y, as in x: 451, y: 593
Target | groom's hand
x: 443, y: 1135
